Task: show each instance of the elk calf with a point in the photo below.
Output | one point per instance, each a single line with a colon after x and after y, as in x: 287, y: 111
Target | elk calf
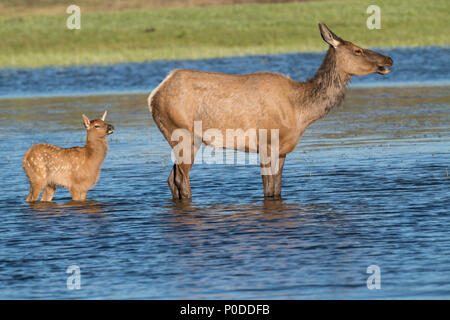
x: 78, y: 169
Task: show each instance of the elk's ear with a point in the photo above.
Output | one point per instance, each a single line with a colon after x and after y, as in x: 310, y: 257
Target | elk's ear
x: 104, y: 115
x: 328, y: 35
x: 86, y: 122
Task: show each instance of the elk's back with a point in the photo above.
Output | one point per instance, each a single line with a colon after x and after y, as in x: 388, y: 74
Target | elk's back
x: 221, y: 101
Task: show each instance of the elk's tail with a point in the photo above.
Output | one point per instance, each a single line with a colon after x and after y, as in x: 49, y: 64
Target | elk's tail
x: 152, y: 94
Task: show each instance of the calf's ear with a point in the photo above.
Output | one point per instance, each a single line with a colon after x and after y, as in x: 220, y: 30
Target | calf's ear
x: 86, y: 122
x: 104, y: 115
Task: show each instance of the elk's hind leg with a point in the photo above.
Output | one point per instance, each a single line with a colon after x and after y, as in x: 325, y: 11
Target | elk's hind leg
x: 49, y: 192
x: 272, y: 178
x: 277, y: 177
x: 75, y: 193
x: 171, y: 181
x: 178, y: 180
x: 35, y: 191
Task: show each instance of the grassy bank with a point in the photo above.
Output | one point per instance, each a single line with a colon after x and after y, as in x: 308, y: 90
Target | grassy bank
x: 32, y: 40
x: 39, y: 7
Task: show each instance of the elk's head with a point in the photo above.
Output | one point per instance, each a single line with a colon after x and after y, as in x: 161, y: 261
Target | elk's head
x: 352, y: 59
x: 98, y: 127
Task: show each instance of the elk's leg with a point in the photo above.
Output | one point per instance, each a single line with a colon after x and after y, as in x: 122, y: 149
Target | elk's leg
x: 178, y: 180
x: 182, y: 180
x: 76, y: 194
x: 35, y: 191
x: 277, y: 177
x: 83, y: 195
x: 49, y: 192
x: 171, y: 181
x: 272, y: 178
x: 268, y: 185
x: 179, y: 183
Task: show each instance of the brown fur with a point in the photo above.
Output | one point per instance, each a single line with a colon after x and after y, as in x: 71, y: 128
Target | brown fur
x: 78, y: 169
x: 260, y: 100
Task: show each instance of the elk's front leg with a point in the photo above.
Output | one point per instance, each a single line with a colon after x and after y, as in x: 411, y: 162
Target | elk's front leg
x: 49, y: 192
x: 184, y: 183
x: 277, y: 177
x: 77, y: 195
x: 271, y: 177
x: 268, y: 182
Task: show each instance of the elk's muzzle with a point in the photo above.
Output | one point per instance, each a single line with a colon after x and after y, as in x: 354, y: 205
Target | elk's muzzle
x: 382, y: 68
x: 110, y: 129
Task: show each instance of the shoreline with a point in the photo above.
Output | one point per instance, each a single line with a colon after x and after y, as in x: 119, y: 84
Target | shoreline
x: 413, y: 67
x: 241, y: 56
x: 213, y: 32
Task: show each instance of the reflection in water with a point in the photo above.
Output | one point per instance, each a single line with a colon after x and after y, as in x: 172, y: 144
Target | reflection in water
x: 184, y: 212
x: 53, y: 209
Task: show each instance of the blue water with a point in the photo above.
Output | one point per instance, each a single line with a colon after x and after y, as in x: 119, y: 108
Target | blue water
x: 367, y: 185
x: 412, y: 66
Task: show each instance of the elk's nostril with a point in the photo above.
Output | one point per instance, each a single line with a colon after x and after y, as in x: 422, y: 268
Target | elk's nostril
x: 110, y: 128
x: 390, y: 62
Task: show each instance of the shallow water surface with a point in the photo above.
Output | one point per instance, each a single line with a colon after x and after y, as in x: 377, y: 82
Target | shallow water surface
x: 367, y: 185
x: 419, y: 66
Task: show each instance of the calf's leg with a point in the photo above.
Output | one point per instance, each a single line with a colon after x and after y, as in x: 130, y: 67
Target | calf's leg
x: 48, y: 194
x: 77, y: 194
x: 35, y: 191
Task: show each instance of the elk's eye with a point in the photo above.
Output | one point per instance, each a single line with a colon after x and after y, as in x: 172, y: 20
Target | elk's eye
x: 357, y: 52
x: 96, y: 126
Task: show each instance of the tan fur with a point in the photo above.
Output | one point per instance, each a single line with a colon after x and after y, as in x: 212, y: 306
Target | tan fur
x: 260, y: 100
x: 78, y: 169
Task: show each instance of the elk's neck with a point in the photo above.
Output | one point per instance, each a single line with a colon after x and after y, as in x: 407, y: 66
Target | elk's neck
x: 326, y: 89
x: 96, y: 149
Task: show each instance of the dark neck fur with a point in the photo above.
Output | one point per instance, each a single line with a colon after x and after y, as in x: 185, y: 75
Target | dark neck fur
x: 327, y: 88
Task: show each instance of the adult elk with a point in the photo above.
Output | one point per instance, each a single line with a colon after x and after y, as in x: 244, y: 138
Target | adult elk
x: 260, y: 100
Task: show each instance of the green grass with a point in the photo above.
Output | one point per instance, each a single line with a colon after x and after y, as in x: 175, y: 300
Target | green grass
x: 216, y: 31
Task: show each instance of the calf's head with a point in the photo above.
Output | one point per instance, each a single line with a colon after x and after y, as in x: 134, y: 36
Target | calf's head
x: 98, y: 127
